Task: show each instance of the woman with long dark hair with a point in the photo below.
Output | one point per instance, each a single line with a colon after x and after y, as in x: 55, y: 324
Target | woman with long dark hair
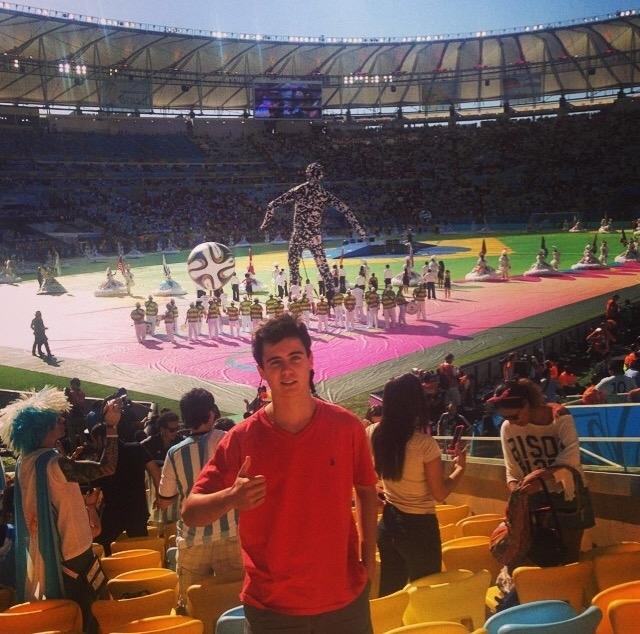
x: 407, y: 459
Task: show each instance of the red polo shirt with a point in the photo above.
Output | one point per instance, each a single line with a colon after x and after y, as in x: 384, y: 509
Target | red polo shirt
x: 300, y: 547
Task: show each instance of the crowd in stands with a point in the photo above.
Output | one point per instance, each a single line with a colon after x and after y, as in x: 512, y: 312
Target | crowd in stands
x: 500, y: 171
x: 125, y: 449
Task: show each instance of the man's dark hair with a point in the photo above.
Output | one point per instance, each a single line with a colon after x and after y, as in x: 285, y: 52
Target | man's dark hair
x: 224, y: 424
x: 166, y: 418
x: 277, y: 329
x: 195, y: 407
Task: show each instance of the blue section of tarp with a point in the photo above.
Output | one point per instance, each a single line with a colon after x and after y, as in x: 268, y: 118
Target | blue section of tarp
x: 373, y: 249
x: 609, y: 420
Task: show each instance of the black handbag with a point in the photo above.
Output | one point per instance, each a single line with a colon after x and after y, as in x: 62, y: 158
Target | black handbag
x: 576, y: 513
x: 547, y: 546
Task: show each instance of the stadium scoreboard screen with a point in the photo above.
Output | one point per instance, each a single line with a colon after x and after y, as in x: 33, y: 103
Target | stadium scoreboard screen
x: 287, y: 100
x: 122, y: 94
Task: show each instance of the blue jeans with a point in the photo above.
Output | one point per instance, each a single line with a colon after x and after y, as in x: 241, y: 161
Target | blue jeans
x: 409, y: 547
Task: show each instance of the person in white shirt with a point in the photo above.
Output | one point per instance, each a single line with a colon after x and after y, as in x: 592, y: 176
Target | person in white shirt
x: 407, y: 460
x: 224, y: 299
x: 388, y: 275
x: 295, y: 290
x: 235, y: 287
x: 205, y: 550
x: 536, y: 435
x: 280, y: 283
x: 309, y: 294
x: 358, y: 294
x: 430, y: 278
x: 616, y: 383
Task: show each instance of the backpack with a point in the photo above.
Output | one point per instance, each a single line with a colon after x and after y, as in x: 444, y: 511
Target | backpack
x: 534, y: 523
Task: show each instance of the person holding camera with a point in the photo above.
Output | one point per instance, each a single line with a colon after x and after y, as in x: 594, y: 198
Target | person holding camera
x: 54, y: 555
x: 125, y: 501
x: 407, y: 460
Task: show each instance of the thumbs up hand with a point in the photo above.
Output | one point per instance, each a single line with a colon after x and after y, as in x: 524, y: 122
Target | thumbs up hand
x: 248, y: 491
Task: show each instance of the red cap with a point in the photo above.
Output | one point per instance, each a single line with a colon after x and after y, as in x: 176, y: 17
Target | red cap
x: 512, y: 395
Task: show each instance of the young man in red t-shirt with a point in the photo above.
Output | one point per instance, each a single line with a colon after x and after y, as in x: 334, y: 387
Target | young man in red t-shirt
x: 290, y: 470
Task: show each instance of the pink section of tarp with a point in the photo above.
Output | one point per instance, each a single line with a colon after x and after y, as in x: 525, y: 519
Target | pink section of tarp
x: 100, y: 329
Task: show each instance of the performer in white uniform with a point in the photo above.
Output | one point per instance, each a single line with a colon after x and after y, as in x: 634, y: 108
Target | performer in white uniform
x: 540, y: 266
x: 504, y: 264
x: 555, y: 258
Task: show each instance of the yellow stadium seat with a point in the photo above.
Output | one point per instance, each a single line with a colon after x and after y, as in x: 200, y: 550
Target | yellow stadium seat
x: 164, y: 625
x: 460, y: 599
x: 570, y: 583
x: 479, y: 524
x: 469, y: 540
x: 603, y: 600
x: 470, y: 553
x: 435, y: 627
x: 620, y: 547
x: 449, y: 531
x: 127, y: 560
x: 134, y: 543
x: 207, y: 601
x: 138, y: 582
x: 481, y: 516
x: 112, y: 614
x: 447, y: 514
x: 615, y: 568
x: 387, y: 611
x: 440, y: 577
x: 624, y: 615
x: 39, y: 616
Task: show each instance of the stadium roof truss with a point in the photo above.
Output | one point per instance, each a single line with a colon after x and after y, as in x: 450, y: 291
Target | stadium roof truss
x: 48, y: 59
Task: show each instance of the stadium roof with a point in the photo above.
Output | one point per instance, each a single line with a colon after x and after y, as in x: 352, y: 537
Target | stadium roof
x: 63, y: 59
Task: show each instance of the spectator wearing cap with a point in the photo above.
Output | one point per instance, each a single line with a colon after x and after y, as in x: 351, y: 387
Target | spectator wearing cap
x: 536, y: 435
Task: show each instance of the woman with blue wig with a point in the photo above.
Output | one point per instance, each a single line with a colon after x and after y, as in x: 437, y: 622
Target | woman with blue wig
x: 54, y: 556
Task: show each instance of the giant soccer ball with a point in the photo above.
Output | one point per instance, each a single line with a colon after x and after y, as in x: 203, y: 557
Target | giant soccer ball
x: 211, y: 265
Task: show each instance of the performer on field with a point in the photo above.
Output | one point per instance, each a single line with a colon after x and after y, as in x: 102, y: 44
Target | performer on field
x: 310, y: 199
x: 137, y: 315
x: 151, y: 314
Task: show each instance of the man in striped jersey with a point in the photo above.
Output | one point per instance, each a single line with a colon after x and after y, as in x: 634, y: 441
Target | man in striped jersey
x: 209, y: 549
